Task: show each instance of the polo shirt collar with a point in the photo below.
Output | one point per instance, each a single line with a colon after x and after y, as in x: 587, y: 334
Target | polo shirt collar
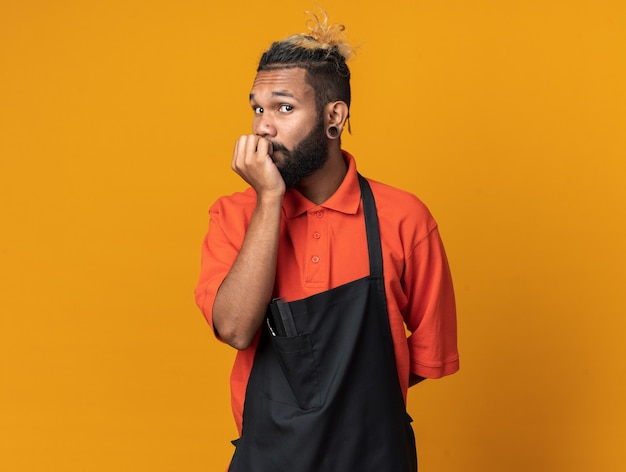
x: 346, y: 199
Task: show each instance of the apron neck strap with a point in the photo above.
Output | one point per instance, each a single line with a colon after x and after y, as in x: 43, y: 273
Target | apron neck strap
x: 374, y: 247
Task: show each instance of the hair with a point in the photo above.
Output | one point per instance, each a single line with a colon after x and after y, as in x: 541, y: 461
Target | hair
x: 322, y: 52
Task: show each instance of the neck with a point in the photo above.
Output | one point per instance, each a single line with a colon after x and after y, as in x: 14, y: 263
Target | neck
x: 321, y: 185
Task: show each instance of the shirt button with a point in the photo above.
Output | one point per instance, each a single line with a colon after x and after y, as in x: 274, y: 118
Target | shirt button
x: 317, y: 235
x: 315, y: 259
x: 320, y: 214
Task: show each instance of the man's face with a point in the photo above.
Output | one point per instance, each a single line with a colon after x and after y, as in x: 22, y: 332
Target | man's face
x: 285, y: 113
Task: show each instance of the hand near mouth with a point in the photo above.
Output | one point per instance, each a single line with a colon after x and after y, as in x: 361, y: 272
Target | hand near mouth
x: 253, y: 161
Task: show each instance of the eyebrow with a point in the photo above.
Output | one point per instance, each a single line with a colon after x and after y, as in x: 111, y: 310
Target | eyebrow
x: 278, y: 93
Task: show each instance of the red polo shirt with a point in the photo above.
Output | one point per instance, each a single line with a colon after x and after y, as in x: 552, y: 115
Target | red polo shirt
x: 324, y: 246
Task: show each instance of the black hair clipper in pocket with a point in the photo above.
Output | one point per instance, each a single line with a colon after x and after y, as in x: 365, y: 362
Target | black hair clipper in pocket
x: 282, y: 318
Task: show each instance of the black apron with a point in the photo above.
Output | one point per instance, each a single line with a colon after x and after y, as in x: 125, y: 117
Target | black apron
x: 328, y: 399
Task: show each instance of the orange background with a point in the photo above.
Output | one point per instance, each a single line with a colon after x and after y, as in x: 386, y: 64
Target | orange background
x: 117, y: 121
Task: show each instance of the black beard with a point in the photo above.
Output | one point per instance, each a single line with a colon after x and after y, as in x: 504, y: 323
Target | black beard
x: 308, y: 156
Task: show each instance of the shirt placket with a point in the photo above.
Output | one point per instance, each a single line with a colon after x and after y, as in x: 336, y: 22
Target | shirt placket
x: 317, y: 254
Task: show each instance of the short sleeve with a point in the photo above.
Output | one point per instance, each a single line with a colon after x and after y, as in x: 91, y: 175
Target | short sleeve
x: 220, y: 248
x: 430, y: 315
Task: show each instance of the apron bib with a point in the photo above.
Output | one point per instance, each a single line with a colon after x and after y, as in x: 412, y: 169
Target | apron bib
x: 328, y: 399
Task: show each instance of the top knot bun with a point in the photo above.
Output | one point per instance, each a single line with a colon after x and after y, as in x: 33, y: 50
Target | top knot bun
x: 322, y: 35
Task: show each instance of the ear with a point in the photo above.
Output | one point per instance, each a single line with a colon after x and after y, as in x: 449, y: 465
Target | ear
x: 336, y: 114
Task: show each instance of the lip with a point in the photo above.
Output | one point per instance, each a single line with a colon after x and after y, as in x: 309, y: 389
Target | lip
x: 275, y: 157
x: 276, y: 153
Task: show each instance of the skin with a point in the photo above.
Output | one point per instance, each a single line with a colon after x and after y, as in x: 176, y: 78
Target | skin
x: 284, y: 111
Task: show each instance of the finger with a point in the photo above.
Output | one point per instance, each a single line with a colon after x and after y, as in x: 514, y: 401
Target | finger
x: 240, y: 145
x: 264, y: 148
x: 250, y: 148
x: 236, y: 148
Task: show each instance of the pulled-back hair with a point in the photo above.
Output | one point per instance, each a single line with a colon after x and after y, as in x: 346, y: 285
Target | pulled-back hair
x: 322, y: 52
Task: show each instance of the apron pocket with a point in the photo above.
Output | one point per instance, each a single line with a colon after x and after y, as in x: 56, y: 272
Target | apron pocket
x: 295, y: 355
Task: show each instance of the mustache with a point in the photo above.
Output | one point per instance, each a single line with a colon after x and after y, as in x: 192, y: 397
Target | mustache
x: 279, y: 147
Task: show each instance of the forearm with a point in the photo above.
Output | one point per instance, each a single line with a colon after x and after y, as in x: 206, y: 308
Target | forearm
x: 243, y: 297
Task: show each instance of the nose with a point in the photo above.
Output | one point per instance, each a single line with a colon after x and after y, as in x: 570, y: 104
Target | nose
x: 263, y: 126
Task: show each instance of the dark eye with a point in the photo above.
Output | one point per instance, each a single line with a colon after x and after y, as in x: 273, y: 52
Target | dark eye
x: 257, y: 110
x: 285, y: 108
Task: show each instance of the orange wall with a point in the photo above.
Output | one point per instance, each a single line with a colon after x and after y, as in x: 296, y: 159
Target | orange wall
x: 117, y: 121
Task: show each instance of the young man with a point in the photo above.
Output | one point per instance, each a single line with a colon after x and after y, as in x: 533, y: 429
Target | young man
x: 315, y: 274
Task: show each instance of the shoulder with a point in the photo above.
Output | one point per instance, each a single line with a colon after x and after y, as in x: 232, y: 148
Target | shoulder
x: 401, y: 209
x: 240, y: 202
x: 405, y: 221
x: 231, y: 214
